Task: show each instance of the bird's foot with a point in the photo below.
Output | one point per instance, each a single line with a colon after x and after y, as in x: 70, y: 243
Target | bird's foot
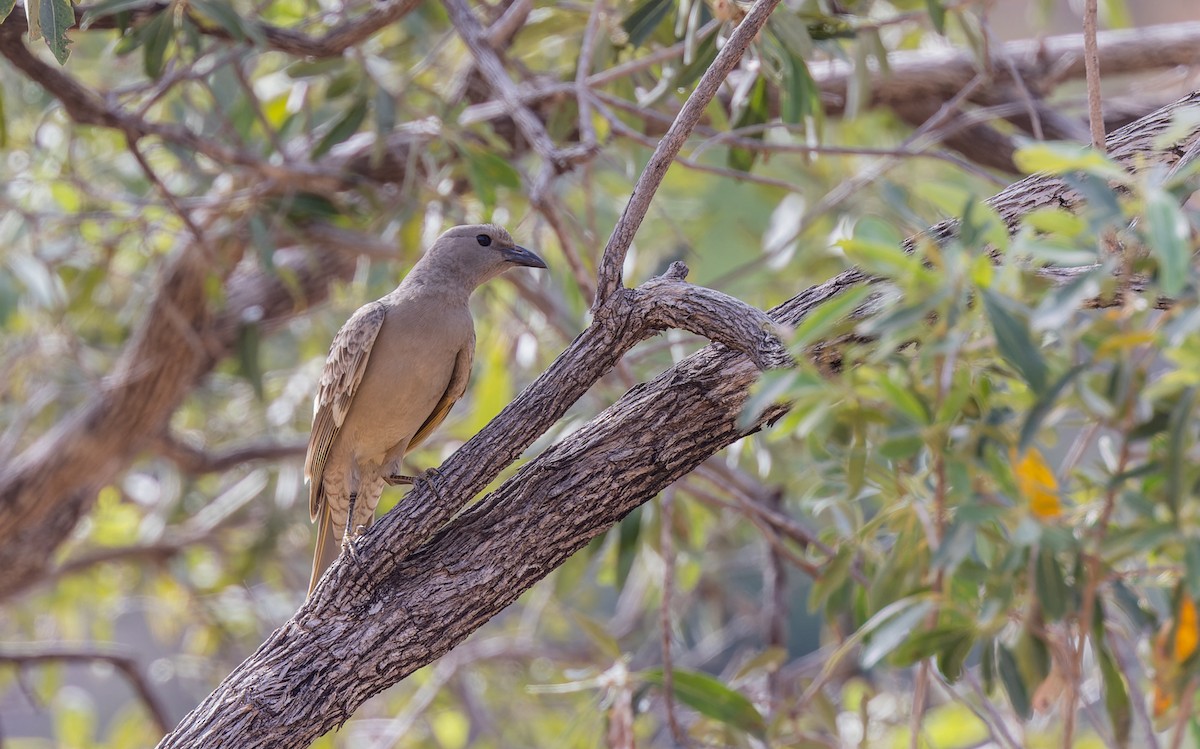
x: 351, y: 531
x: 348, y: 541
x: 425, y: 477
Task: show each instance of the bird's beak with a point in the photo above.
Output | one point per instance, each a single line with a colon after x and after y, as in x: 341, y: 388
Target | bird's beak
x: 518, y: 255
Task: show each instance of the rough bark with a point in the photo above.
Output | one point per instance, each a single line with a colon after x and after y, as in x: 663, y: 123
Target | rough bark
x: 417, y: 586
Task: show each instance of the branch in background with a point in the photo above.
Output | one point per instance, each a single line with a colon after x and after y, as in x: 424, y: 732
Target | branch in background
x: 332, y: 43
x: 29, y: 655
x: 494, y: 72
x: 48, y: 487
x: 193, y: 460
x: 86, y: 108
x: 1041, y: 64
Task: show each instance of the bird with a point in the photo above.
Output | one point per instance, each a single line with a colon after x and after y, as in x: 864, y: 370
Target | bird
x: 394, y: 371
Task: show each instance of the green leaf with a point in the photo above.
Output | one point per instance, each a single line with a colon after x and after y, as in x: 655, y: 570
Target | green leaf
x: 1191, y: 558
x: 157, y: 34
x: 1177, y: 449
x: 1043, y: 406
x: 820, y: 321
x: 6, y: 7
x: 628, y: 532
x: 755, y: 111
x: 953, y: 654
x: 951, y: 643
x: 1169, y: 240
x: 486, y: 170
x: 223, y: 14
x: 1014, y: 687
x: 802, y: 97
x: 110, y: 7
x: 890, y: 632
x: 1064, y: 158
x: 314, y: 68
x: 705, y: 54
x: 598, y: 634
x: 956, y: 544
x: 342, y: 129
x: 771, y: 387
x: 1051, y: 585
x: 642, y: 22
x: 1015, y: 342
x: 904, y: 400
x: 1116, y: 695
x: 309, y: 206
x: 710, y: 697
x: 50, y: 19
x: 249, y: 358
x: 937, y: 15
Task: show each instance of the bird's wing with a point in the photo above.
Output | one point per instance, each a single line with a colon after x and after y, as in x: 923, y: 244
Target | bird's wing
x: 348, y: 356
x: 454, y: 390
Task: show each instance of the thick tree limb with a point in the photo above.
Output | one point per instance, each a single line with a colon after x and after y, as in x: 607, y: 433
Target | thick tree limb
x: 332, y: 43
x: 1042, y: 64
x: 415, y: 588
x: 47, y: 488
x: 630, y: 451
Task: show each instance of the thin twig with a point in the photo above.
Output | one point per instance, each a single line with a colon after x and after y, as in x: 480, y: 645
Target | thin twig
x: 652, y: 176
x: 1091, y: 67
x: 587, y: 131
x: 667, y: 550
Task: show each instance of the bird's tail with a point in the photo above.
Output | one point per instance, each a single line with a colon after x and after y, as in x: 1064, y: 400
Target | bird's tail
x: 328, y: 547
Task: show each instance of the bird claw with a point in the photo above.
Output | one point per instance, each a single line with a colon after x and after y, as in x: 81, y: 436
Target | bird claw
x: 348, y: 539
x: 425, y: 477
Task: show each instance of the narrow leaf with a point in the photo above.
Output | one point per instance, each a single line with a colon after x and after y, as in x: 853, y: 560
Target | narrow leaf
x: 157, y: 33
x: 108, y: 8
x: 1015, y: 342
x: 223, y: 14
x: 1014, y: 686
x: 889, y: 634
x: 937, y: 15
x: 1051, y: 586
x: 628, y: 532
x: 1177, y: 448
x: 1170, y: 241
x: 6, y: 7
x: 1043, y: 406
x: 642, y: 22
x: 824, y: 318
x: 710, y: 697
x: 342, y: 129
x: 1116, y: 696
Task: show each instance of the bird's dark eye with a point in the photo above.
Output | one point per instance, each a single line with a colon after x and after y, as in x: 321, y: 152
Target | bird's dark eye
x: 483, y: 240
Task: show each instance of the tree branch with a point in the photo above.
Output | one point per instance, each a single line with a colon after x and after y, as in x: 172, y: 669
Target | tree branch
x: 416, y: 587
x: 48, y: 487
x: 28, y: 655
x: 332, y: 43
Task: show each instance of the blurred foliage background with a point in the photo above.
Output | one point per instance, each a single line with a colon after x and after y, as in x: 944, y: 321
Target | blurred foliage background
x: 981, y: 531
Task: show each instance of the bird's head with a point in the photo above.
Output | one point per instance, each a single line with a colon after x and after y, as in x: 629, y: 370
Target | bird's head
x: 477, y: 253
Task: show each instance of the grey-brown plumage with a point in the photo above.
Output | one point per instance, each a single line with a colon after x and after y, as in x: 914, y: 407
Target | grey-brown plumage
x: 394, y: 371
